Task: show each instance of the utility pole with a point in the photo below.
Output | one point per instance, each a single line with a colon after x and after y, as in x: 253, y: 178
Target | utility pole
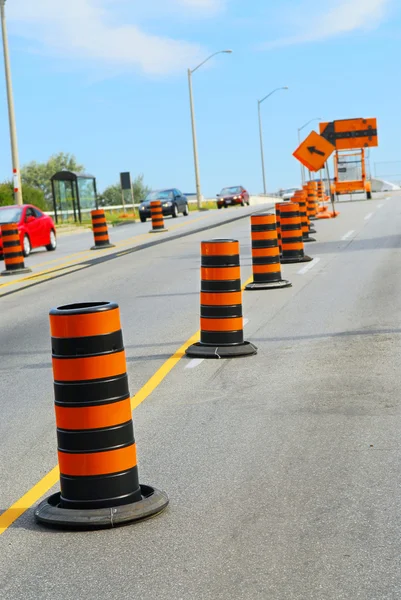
x: 11, y: 111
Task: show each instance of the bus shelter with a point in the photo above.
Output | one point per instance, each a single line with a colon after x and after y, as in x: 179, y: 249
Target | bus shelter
x: 73, y: 194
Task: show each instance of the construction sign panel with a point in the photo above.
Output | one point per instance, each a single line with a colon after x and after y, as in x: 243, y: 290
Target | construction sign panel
x: 348, y: 134
x: 314, y: 151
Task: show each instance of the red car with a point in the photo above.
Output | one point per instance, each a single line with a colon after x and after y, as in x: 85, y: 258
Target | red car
x: 35, y: 228
x: 230, y: 196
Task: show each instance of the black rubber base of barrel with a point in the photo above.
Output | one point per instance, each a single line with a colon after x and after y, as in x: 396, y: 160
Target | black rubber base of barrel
x: 312, y: 230
x: 202, y: 351
x: 269, y: 286
x: 15, y: 272
x: 288, y: 261
x: 103, y: 247
x: 308, y: 239
x: 50, y: 513
x: 158, y: 230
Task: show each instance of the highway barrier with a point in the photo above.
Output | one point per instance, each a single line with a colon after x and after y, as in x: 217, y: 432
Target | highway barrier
x: 156, y: 212
x: 300, y: 199
x: 266, y: 266
x: 100, y: 231
x: 12, y: 251
x: 291, y: 232
x: 221, y: 322
x: 96, y: 447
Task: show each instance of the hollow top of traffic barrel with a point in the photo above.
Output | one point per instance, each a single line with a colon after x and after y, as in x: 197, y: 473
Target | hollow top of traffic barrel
x: 83, y: 308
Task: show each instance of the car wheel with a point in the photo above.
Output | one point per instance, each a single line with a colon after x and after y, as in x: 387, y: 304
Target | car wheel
x: 219, y: 206
x: 174, y: 213
x: 226, y: 206
x: 143, y: 219
x: 26, y: 246
x: 186, y: 211
x: 53, y: 242
x: 242, y: 202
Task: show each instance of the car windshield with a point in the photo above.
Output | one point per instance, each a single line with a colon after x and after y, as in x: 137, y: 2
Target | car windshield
x: 230, y: 190
x: 10, y: 214
x: 161, y: 195
x: 290, y: 191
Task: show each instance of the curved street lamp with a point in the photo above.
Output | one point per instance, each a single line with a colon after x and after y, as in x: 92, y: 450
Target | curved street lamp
x: 11, y: 111
x: 299, y: 142
x: 261, y: 134
x: 194, y: 140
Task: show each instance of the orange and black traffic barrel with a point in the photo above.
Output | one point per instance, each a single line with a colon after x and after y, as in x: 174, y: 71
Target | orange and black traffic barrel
x: 308, y: 209
x: 221, y: 322
x: 12, y: 251
x: 278, y: 226
x: 156, y: 212
x: 312, y: 200
x: 291, y: 232
x: 265, y: 254
x: 100, y: 231
x: 300, y: 199
x: 96, y: 446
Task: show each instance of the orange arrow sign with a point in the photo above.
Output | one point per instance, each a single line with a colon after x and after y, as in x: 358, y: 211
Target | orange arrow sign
x: 314, y: 151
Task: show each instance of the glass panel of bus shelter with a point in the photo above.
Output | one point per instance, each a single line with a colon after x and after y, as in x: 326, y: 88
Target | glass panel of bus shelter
x: 65, y: 200
x: 87, y: 194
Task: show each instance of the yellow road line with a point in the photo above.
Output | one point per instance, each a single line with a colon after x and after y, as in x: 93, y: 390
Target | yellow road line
x: 18, y: 508
x: 15, y: 511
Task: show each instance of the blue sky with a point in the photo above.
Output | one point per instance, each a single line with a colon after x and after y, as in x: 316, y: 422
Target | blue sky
x: 106, y: 80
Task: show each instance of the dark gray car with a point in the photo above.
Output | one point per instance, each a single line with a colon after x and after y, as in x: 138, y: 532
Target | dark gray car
x: 173, y: 202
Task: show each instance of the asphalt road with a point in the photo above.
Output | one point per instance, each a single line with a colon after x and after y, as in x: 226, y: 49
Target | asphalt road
x: 283, y: 469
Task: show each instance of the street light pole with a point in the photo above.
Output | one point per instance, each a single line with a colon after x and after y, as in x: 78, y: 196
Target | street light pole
x: 194, y: 141
x: 303, y: 178
x: 262, y: 154
x: 11, y: 111
x: 194, y: 138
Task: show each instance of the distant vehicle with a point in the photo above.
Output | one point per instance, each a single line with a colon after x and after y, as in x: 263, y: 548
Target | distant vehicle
x: 173, y: 202
x: 231, y: 196
x: 287, y: 194
x: 35, y: 228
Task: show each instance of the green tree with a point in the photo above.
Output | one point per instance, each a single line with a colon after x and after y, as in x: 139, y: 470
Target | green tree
x: 112, y: 194
x: 37, y: 175
x: 30, y: 195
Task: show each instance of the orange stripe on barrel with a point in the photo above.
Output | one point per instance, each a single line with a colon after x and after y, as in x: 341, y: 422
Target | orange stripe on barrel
x: 230, y: 324
x: 13, y: 261
x: 85, y: 325
x: 87, y: 369
x: 219, y: 248
x: 223, y: 299
x: 220, y: 273
x: 97, y: 463
x: 264, y: 235
x: 263, y: 220
x: 268, y: 252
x: 93, y: 417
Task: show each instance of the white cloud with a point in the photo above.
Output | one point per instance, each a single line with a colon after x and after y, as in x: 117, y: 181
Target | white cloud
x: 342, y: 16
x: 89, y: 29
